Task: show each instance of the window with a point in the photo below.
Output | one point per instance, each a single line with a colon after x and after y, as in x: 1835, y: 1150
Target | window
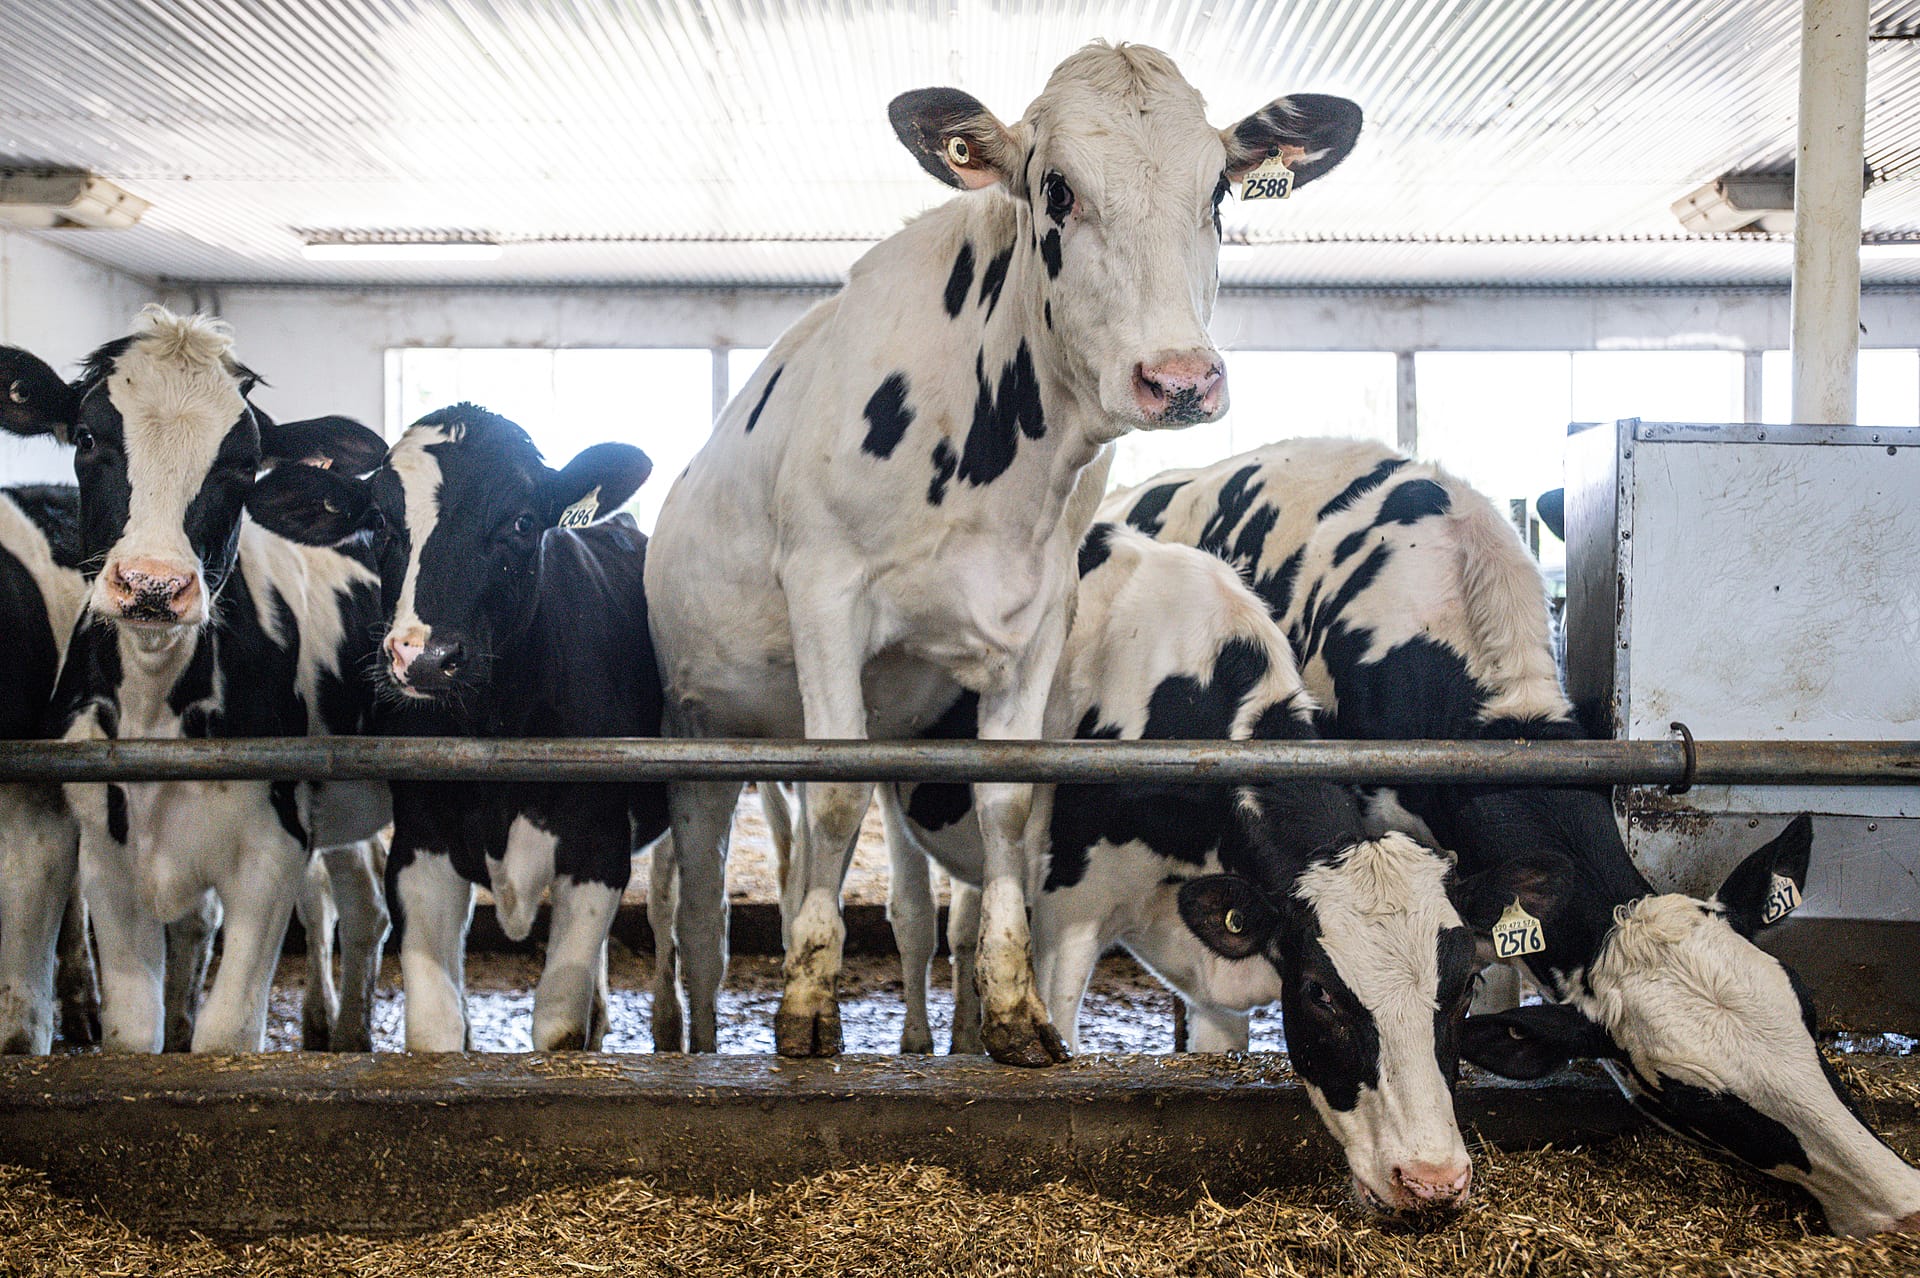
x: 1888, y: 394
x: 1273, y: 395
x: 570, y: 399
x: 742, y: 363
x: 1658, y: 386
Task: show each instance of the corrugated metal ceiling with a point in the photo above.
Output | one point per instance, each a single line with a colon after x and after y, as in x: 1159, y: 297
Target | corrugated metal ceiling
x: 745, y: 142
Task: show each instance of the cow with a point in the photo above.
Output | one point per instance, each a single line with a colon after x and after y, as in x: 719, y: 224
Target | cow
x: 1416, y: 612
x: 198, y: 623
x: 1235, y: 896
x: 890, y: 509
x: 512, y: 605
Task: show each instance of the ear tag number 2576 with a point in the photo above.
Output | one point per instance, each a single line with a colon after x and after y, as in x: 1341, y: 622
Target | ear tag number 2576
x: 1517, y: 934
x: 1271, y: 179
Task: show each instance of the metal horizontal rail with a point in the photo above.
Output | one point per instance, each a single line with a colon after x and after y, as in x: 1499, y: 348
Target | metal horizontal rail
x: 628, y: 759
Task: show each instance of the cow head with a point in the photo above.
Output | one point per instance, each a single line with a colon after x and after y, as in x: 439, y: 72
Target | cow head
x: 1706, y: 1033
x: 166, y: 449
x: 458, y: 511
x: 1117, y: 180
x: 1374, y: 971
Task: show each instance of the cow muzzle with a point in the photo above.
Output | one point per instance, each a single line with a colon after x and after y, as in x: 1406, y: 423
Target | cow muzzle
x: 152, y: 592
x: 1177, y: 388
x: 423, y: 665
x: 1417, y: 1187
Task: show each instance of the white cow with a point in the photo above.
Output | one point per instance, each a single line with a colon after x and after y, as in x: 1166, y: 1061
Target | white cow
x: 891, y: 507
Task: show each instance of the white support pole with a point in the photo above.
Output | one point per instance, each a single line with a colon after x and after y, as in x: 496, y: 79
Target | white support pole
x: 1826, y: 204
x: 1406, y: 407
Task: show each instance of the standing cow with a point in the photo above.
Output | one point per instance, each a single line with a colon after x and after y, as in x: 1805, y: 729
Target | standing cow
x: 512, y: 608
x: 891, y: 508
x: 1416, y: 612
x: 202, y: 625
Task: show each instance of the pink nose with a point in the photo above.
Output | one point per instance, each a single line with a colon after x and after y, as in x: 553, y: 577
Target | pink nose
x: 150, y: 590
x: 1182, y: 387
x: 1434, y: 1185
x: 402, y: 655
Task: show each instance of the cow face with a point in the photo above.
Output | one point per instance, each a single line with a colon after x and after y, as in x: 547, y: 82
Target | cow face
x: 1712, y: 1038
x: 459, y: 511
x: 1117, y: 178
x: 1375, y: 971
x: 166, y: 449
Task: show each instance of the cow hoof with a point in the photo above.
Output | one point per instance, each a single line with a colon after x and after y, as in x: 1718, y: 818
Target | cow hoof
x: 315, y: 1036
x: 350, y: 1038
x: 804, y: 1034
x: 669, y: 1030
x: 80, y: 1023
x: 1031, y: 1042
x: 916, y: 1043
x: 576, y: 1041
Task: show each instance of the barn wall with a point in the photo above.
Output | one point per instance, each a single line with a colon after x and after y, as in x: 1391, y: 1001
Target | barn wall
x: 325, y: 349
x: 59, y: 307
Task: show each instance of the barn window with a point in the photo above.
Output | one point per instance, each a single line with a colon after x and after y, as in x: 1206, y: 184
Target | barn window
x: 1889, y: 388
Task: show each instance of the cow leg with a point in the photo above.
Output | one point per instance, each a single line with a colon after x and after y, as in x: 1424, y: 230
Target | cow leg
x: 189, y: 955
x: 132, y: 946
x: 320, y: 1005
x: 779, y: 815
x: 808, y: 1022
x: 600, y: 1015
x: 257, y: 903
x: 355, y: 872
x: 702, y: 817
x: 1216, y: 1029
x: 963, y: 943
x: 39, y: 852
x: 435, y: 907
x: 576, y: 954
x: 915, y: 919
x: 1067, y: 945
x: 76, y: 989
x: 663, y: 888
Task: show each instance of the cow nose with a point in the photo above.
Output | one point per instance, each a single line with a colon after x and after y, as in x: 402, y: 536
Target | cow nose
x: 1434, y: 1184
x: 401, y: 654
x: 1183, y: 387
x: 435, y: 664
x: 150, y: 590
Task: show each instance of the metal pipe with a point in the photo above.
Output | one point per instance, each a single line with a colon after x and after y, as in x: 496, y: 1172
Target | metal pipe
x: 1826, y: 210
x: 609, y: 759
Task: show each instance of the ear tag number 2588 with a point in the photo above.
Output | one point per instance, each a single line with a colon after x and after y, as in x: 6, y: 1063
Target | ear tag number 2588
x: 1271, y: 179
x: 1517, y: 934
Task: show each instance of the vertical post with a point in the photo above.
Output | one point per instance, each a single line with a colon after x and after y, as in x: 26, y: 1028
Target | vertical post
x: 1752, y: 393
x: 1406, y: 406
x: 721, y: 392
x: 1826, y: 210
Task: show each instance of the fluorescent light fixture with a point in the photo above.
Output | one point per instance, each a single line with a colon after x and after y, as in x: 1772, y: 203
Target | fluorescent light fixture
x: 1738, y: 202
x: 1890, y: 251
x: 66, y: 199
x: 401, y: 250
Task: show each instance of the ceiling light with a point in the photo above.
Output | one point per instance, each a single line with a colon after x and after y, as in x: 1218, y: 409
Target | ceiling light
x: 469, y: 250
x: 1739, y: 202
x: 63, y: 199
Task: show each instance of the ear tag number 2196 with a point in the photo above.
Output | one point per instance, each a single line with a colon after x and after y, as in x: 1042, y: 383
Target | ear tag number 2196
x: 1517, y: 934
x: 1271, y: 179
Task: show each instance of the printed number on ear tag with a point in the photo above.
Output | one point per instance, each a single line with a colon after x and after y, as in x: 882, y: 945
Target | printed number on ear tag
x: 1518, y: 933
x: 1271, y: 179
x: 1783, y: 900
x: 581, y: 513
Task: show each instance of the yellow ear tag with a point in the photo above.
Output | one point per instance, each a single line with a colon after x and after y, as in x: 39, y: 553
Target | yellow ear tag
x: 1233, y: 923
x: 1271, y: 179
x: 1783, y: 900
x: 581, y: 513
x: 959, y: 154
x: 1517, y: 934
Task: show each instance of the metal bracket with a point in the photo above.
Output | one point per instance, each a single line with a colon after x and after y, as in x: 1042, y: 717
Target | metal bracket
x: 1686, y: 742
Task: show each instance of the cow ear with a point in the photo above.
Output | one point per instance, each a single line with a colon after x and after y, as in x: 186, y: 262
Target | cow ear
x: 1229, y: 914
x: 1745, y: 893
x: 34, y: 400
x: 1540, y: 881
x: 595, y: 484
x: 1531, y: 1042
x: 1311, y: 132
x: 956, y: 139
x: 312, y: 506
x: 329, y: 443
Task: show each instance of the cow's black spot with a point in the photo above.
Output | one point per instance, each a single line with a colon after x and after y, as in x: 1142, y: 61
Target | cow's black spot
x: 281, y: 793
x: 1276, y: 587
x: 938, y: 804
x: 1236, y: 498
x: 944, y: 463
x: 994, y: 278
x: 1150, y: 510
x: 1722, y: 1121
x: 1361, y: 486
x: 1184, y: 709
x: 1337, y: 1049
x: 1046, y: 309
x: 117, y: 813
x: 1406, y: 503
x: 887, y: 417
x: 1252, y: 538
x: 1284, y: 721
x: 1333, y: 607
x: 1095, y: 549
x: 766, y: 393
x: 1000, y: 416
x: 1050, y: 252
x: 960, y: 279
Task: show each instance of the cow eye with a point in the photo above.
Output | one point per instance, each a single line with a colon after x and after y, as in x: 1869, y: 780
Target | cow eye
x: 1317, y: 994
x: 83, y: 440
x: 525, y: 524
x: 1059, y: 197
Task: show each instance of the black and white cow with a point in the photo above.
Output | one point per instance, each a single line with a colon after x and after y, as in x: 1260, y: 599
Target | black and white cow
x: 891, y: 508
x: 199, y: 623
x: 512, y: 608
x: 1237, y: 897
x: 41, y: 594
x: 1416, y: 612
